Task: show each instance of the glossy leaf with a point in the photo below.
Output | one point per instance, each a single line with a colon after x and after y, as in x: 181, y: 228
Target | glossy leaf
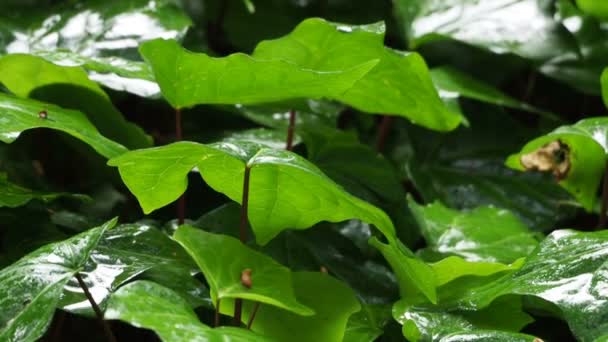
x: 483, y: 234
x: 148, y: 305
x: 30, y: 289
x: 332, y: 301
x: 576, y: 155
x: 188, y: 78
x: 122, y: 254
x: 368, y: 324
x: 104, y: 34
x: 19, y: 115
x: 222, y: 259
x: 13, y: 195
x: 398, y: 85
x: 501, y: 26
x: 453, y: 267
x: 69, y: 87
x: 568, y: 270
x: 287, y: 191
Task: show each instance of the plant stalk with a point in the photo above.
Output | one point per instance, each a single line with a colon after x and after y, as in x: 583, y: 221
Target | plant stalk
x: 604, y: 204
x: 238, y: 303
x: 106, y: 327
x: 253, y: 313
x: 290, y: 130
x: 383, y: 130
x: 216, y: 323
x: 181, y: 202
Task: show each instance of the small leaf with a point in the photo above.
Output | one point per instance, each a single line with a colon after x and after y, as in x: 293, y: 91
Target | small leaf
x: 332, y: 301
x: 13, y: 195
x: 483, y: 234
x: 287, y: 190
x: 145, y: 304
x: 576, y: 155
x: 223, y: 259
x: 30, y: 289
x: 368, y: 324
x: 188, y: 78
x: 19, y: 115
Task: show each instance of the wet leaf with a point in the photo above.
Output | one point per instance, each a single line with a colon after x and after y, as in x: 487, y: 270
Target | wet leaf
x: 19, y: 115
x: 30, y: 288
x: 188, y: 78
x: 368, y: 324
x: 69, y: 87
x: 290, y: 192
x: 483, y: 234
x: 382, y: 90
x: 575, y: 155
x: 148, y: 305
x: 332, y: 301
x: 222, y: 259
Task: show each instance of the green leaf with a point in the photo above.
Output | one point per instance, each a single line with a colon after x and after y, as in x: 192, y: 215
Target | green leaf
x: 223, y: 259
x: 367, y: 324
x: 399, y: 85
x: 188, y: 78
x: 69, y: 87
x: 19, y: 115
x: 429, y: 324
x: 13, y: 195
x: 453, y: 267
x: 595, y: 8
x: 576, y: 155
x: 122, y: 254
x: 569, y: 270
x: 604, y: 81
x: 145, y: 304
x: 482, y: 234
x: 332, y: 301
x: 30, y: 289
x: 414, y: 276
x: 287, y: 191
x: 501, y: 26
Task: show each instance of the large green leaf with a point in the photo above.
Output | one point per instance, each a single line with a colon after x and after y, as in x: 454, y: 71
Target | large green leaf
x: 332, y: 301
x: 69, y: 87
x: 13, y: 195
x: 576, y: 155
x: 223, y: 258
x: 368, y: 324
x: 483, y: 234
x: 501, y: 26
x: 421, y: 324
x: 145, y: 304
x: 30, y: 289
x: 103, y: 36
x: 286, y: 191
x: 122, y: 254
x: 569, y: 270
x: 19, y: 115
x: 399, y: 85
x: 188, y: 78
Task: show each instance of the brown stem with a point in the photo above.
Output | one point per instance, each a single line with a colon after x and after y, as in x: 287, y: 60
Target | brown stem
x: 604, y: 205
x: 238, y: 312
x: 291, y: 129
x: 181, y: 202
x: 217, y: 313
x: 56, y: 334
x: 383, y: 130
x: 106, y: 327
x: 244, y: 204
x: 253, y: 313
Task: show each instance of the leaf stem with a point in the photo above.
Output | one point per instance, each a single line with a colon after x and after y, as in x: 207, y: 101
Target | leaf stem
x: 106, y: 327
x: 290, y: 130
x: 238, y: 311
x: 604, y: 204
x: 383, y: 130
x: 181, y: 202
x: 216, y: 323
x: 244, y: 205
x: 253, y: 313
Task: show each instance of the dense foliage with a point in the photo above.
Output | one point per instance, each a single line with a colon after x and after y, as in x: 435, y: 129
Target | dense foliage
x: 318, y: 170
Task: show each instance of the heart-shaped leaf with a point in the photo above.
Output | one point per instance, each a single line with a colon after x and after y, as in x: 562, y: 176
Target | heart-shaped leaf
x: 19, y: 115
x: 148, y: 305
x: 69, y: 87
x: 223, y: 259
x: 399, y: 85
x: 286, y: 190
x: 575, y: 155
x: 188, y: 78
x: 30, y: 289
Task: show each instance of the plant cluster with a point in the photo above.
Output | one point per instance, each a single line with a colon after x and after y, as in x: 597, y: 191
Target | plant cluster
x: 322, y: 170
